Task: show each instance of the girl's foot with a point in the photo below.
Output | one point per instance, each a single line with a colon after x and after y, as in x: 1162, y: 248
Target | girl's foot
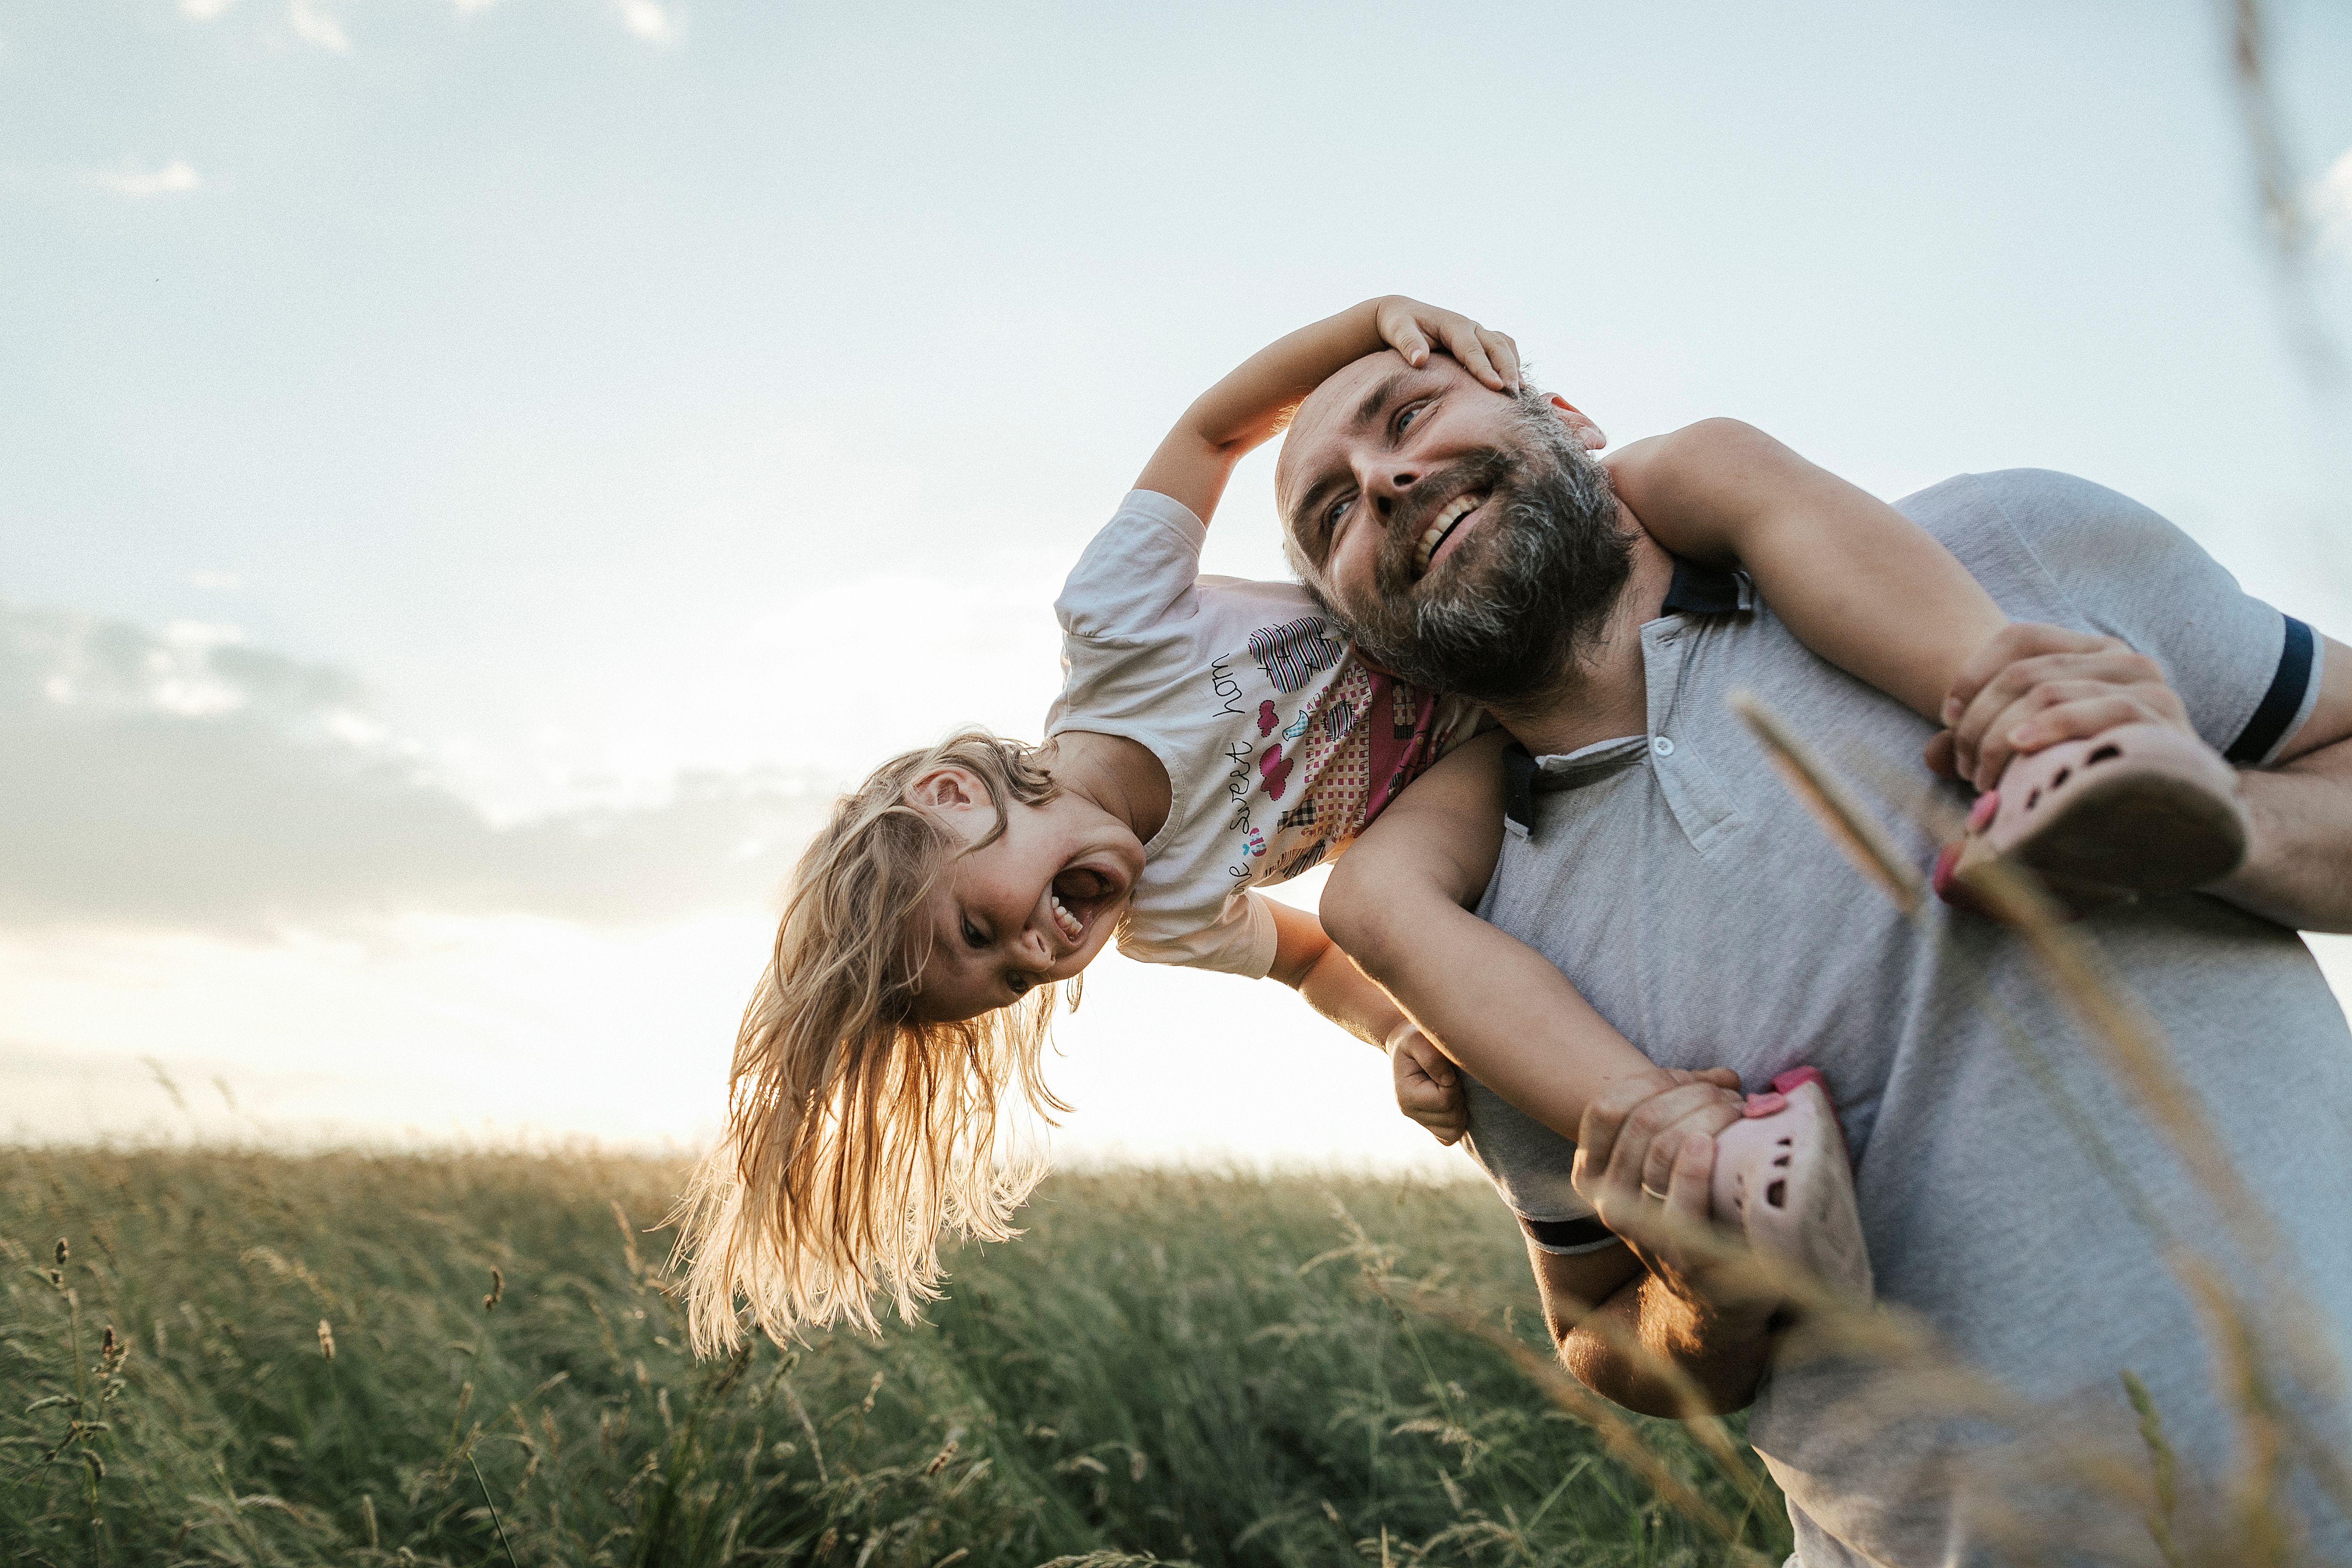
x: 1782, y: 1179
x: 2141, y: 808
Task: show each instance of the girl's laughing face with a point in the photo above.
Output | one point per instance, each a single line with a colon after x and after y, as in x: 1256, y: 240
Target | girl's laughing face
x: 1034, y: 907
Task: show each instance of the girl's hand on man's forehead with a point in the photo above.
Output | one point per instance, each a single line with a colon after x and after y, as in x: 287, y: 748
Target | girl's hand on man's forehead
x: 1409, y: 327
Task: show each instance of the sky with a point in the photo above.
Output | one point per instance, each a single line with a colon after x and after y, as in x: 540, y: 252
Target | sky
x: 476, y: 475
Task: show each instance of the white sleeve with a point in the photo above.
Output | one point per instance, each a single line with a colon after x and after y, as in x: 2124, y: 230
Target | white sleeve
x: 1137, y: 573
x: 1239, y: 942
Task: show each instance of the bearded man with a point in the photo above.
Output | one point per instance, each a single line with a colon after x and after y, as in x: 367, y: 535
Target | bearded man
x: 2013, y: 1200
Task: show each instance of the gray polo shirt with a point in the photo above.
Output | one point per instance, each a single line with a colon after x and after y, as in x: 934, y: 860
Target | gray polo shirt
x: 1692, y: 899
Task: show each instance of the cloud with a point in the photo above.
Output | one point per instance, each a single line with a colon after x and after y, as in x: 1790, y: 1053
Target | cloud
x: 205, y: 10
x: 216, y: 582
x: 647, y: 20
x: 182, y: 780
x: 312, y: 25
x: 2331, y: 205
x: 174, y: 178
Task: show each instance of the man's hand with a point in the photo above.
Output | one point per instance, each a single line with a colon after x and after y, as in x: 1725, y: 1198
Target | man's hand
x: 1408, y: 326
x: 1645, y: 1162
x: 2032, y: 686
x: 1429, y: 1087
x: 1687, y: 1309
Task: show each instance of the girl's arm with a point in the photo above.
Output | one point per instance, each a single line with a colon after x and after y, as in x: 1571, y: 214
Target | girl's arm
x: 1307, y: 959
x: 1245, y: 410
x: 1399, y: 904
x: 1857, y: 581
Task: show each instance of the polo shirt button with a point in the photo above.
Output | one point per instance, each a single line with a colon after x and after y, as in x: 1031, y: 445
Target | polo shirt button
x: 1662, y: 746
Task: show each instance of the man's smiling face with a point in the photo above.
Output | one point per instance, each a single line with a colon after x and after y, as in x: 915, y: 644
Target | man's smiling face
x: 1464, y: 536
x: 1361, y: 456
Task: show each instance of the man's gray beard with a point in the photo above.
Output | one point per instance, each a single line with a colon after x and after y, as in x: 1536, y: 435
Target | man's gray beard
x: 1503, y: 618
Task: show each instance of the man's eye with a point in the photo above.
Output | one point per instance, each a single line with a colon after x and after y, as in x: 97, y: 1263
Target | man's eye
x: 1406, y: 415
x: 973, y: 936
x: 1332, y: 514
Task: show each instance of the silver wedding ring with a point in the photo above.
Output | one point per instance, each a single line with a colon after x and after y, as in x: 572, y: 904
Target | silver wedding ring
x: 1650, y: 1191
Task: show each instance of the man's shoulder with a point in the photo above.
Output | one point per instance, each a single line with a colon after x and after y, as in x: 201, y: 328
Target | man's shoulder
x: 2029, y: 500
x: 2041, y: 540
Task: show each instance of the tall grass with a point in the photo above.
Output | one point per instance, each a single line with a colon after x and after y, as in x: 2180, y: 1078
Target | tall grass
x: 234, y: 1358
x: 469, y: 1359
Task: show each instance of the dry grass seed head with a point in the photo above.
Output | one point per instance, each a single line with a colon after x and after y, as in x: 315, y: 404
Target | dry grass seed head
x: 1852, y: 829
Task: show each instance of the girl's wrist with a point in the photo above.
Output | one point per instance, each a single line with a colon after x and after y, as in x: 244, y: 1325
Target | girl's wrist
x: 1397, y: 1033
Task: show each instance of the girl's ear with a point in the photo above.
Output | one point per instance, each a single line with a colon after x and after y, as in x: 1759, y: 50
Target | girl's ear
x: 1584, y: 429
x: 947, y: 789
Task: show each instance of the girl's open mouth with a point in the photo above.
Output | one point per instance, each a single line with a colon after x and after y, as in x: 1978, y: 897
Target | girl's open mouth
x: 1078, y: 895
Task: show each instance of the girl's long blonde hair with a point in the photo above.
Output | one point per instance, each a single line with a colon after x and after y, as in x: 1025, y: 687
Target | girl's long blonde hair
x: 856, y: 1133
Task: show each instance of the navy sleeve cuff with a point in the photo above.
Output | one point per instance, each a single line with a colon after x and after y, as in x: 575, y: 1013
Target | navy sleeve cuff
x: 2282, y: 705
x: 1568, y: 1236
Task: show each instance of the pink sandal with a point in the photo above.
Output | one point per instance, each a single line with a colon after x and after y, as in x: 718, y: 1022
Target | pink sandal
x: 1783, y: 1179
x: 2141, y: 808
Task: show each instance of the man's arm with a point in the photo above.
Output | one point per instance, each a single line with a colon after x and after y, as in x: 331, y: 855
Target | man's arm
x: 2298, y: 868
x: 2032, y: 686
x: 1724, y: 1361
x: 1679, y: 1325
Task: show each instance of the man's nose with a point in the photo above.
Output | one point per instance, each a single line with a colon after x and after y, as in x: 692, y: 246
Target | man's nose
x: 1389, y: 482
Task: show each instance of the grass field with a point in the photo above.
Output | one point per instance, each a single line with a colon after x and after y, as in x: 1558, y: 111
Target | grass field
x: 469, y: 1359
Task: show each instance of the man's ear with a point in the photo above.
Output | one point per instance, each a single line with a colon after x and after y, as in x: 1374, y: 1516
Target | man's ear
x: 1584, y: 429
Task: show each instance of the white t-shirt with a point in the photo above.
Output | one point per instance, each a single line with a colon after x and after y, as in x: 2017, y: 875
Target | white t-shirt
x: 1280, y: 745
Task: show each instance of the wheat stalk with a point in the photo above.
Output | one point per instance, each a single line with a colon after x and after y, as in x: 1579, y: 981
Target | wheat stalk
x: 1852, y: 829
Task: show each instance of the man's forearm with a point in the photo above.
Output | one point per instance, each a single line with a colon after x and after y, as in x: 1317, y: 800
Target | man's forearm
x: 1616, y: 1351
x: 2298, y: 868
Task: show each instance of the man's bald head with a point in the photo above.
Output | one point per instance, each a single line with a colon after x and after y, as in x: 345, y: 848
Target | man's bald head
x: 1464, y: 537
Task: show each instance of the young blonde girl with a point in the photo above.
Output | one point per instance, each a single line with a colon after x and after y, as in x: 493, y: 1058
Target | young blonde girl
x: 1212, y: 737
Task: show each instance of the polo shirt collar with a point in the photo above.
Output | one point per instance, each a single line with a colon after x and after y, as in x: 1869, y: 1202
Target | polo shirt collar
x: 1697, y: 589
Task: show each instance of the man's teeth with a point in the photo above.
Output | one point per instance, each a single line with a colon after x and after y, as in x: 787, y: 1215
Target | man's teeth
x: 1441, y: 525
x: 1072, y: 927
